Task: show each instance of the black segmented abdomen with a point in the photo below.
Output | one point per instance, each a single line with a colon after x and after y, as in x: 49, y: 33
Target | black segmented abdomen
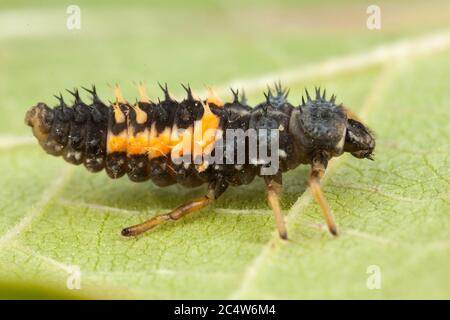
x: 77, y: 133
x: 101, y: 136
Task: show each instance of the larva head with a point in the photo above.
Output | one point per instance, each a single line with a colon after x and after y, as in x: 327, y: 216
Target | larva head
x: 358, y: 140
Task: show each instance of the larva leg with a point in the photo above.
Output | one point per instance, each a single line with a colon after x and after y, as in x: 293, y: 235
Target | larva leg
x: 215, y: 189
x: 274, y: 186
x: 317, y: 171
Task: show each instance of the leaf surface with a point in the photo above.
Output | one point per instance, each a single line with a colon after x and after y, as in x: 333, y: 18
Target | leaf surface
x: 392, y: 213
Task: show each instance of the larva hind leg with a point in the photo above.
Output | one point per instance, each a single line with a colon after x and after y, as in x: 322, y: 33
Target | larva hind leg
x: 215, y: 189
x: 274, y: 186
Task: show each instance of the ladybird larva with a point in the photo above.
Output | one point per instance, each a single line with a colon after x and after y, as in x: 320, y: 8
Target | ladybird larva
x: 146, y: 140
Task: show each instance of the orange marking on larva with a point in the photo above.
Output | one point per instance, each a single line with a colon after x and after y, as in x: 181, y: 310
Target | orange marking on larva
x: 141, y: 116
x: 181, y: 142
x: 119, y: 116
x: 209, y: 146
x: 197, y: 144
x: 137, y: 145
x: 118, y: 94
x: 137, y: 142
x: 210, y: 124
x: 209, y: 119
x: 143, y: 93
x: 159, y: 144
x: 117, y: 143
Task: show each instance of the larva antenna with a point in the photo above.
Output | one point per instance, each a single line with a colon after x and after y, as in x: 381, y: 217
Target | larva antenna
x: 324, y: 94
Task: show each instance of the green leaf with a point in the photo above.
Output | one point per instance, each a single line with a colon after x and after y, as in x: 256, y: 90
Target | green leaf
x: 391, y: 213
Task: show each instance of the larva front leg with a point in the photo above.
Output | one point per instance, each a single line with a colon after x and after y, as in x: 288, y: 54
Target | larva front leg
x: 318, y: 167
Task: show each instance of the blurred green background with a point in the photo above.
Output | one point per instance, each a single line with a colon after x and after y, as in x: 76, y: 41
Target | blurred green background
x: 395, y: 209
x: 200, y: 42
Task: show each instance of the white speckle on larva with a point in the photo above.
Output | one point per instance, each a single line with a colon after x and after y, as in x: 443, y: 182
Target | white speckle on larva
x: 77, y: 156
x: 282, y: 154
x: 340, y: 144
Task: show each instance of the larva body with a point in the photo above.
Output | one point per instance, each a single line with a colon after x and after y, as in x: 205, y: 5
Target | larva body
x: 144, y: 140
